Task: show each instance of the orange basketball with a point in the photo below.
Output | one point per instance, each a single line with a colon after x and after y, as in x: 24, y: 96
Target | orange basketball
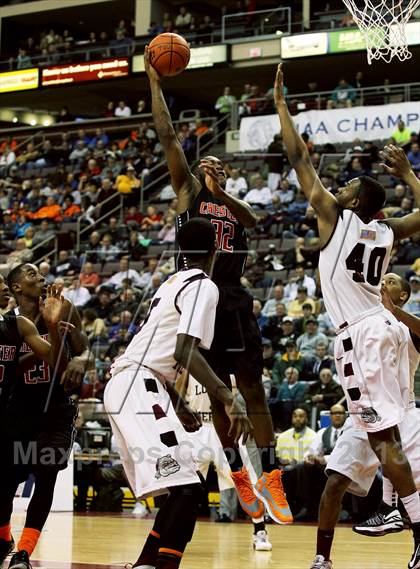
x: 169, y: 54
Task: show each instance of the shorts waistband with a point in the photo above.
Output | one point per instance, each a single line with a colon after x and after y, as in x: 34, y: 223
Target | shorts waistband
x: 345, y: 325
x: 137, y: 367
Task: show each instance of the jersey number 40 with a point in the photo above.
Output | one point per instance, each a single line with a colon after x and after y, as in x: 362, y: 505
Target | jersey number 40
x: 354, y: 262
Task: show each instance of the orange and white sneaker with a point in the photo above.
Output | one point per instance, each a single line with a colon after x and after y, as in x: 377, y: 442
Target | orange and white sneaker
x: 251, y: 505
x: 269, y: 489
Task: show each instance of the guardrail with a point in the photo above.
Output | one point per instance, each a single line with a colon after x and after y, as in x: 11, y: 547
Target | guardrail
x: 377, y: 95
x: 254, y: 23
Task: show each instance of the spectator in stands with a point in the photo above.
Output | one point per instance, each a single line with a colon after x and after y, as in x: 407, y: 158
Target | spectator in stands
x: 402, y: 135
x: 66, y: 265
x: 101, y: 303
x: 135, y: 248
x: 414, y: 156
x: 300, y: 323
x: 76, y: 293
x: 118, y: 232
x: 7, y: 158
x: 399, y: 193
x: 125, y: 329
x: 45, y: 270
x: 257, y: 310
x: 324, y: 393
x: 270, y: 306
x: 21, y: 226
x: 71, y: 211
x: 125, y: 272
x: 205, y: 30
x: 275, y: 162
x: 107, y: 251
x: 405, y: 208
x: 284, y: 195
x: 223, y: 106
x: 94, y: 327
x: 43, y: 232
x: 273, y: 329
x: 133, y: 215
x: 123, y: 110
x: 50, y: 211
x: 308, y: 341
x: 183, y: 19
x: 301, y: 279
x: 260, y: 194
x: 110, y: 109
x: 291, y: 358
x: 78, y: 154
x: 128, y: 185
x: 23, y: 59
x: 64, y: 115
x: 325, y: 324
x: 342, y: 96
x: 21, y: 254
x: 88, y: 278
x: 290, y: 395
x: 167, y: 233
x: 312, y: 480
x: 152, y: 219
x: 413, y: 304
x: 236, y: 185
x: 293, y: 444
x: 320, y: 360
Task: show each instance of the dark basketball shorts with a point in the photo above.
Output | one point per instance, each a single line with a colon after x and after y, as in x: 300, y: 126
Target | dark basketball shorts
x: 45, y: 441
x: 236, y: 346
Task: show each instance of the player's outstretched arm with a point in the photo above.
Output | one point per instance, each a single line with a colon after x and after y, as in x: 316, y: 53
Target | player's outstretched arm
x: 321, y: 200
x: 53, y: 353
x: 410, y: 320
x: 184, y: 183
x: 240, y: 209
x: 188, y: 355
x: 399, y: 166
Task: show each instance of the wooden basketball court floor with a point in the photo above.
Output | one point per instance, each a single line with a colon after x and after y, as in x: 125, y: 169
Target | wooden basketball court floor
x: 108, y: 542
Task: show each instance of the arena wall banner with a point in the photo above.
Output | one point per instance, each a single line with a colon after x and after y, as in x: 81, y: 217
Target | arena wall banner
x: 89, y: 71
x: 21, y: 80
x: 336, y: 125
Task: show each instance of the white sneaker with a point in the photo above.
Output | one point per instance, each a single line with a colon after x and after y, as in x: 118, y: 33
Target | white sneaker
x: 260, y: 541
x: 321, y: 563
x: 139, y: 510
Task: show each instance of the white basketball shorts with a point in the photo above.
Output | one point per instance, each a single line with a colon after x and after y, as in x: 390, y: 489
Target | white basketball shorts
x: 373, y: 369
x: 207, y: 450
x: 354, y: 458
x: 148, y: 433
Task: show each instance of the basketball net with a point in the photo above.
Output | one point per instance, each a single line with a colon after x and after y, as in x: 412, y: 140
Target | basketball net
x: 383, y: 24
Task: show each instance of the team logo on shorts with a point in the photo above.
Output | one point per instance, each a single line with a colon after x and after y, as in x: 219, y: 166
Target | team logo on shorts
x: 369, y: 415
x: 166, y: 466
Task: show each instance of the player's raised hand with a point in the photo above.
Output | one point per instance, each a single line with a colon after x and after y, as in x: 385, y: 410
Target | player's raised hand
x: 278, y: 86
x: 150, y: 70
x: 212, y: 172
x: 51, y: 309
x: 240, y: 425
x: 398, y: 164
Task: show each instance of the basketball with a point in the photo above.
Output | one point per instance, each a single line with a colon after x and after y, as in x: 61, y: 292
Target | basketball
x: 169, y: 54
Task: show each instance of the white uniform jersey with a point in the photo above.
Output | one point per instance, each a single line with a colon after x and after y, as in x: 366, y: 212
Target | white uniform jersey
x: 184, y: 304
x: 198, y: 399
x: 414, y: 360
x: 352, y: 266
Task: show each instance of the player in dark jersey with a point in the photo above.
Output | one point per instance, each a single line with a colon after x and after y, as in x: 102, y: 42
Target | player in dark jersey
x: 14, y: 331
x: 40, y: 414
x: 237, y: 345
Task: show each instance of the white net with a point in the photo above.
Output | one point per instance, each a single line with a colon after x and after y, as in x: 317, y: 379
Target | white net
x: 383, y: 24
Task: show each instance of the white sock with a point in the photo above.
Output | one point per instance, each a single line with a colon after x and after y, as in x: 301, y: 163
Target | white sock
x: 258, y: 520
x: 389, y: 494
x: 412, y: 506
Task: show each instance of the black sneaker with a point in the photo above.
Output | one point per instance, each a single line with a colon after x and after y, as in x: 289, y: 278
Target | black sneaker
x: 6, y: 547
x: 380, y: 524
x: 20, y: 560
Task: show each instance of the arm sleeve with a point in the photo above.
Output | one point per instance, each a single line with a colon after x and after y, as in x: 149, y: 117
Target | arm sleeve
x: 197, y: 304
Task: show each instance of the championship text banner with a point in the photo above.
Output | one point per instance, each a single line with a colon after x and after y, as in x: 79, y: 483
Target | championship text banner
x: 336, y: 125
x: 90, y: 71
x: 21, y: 80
